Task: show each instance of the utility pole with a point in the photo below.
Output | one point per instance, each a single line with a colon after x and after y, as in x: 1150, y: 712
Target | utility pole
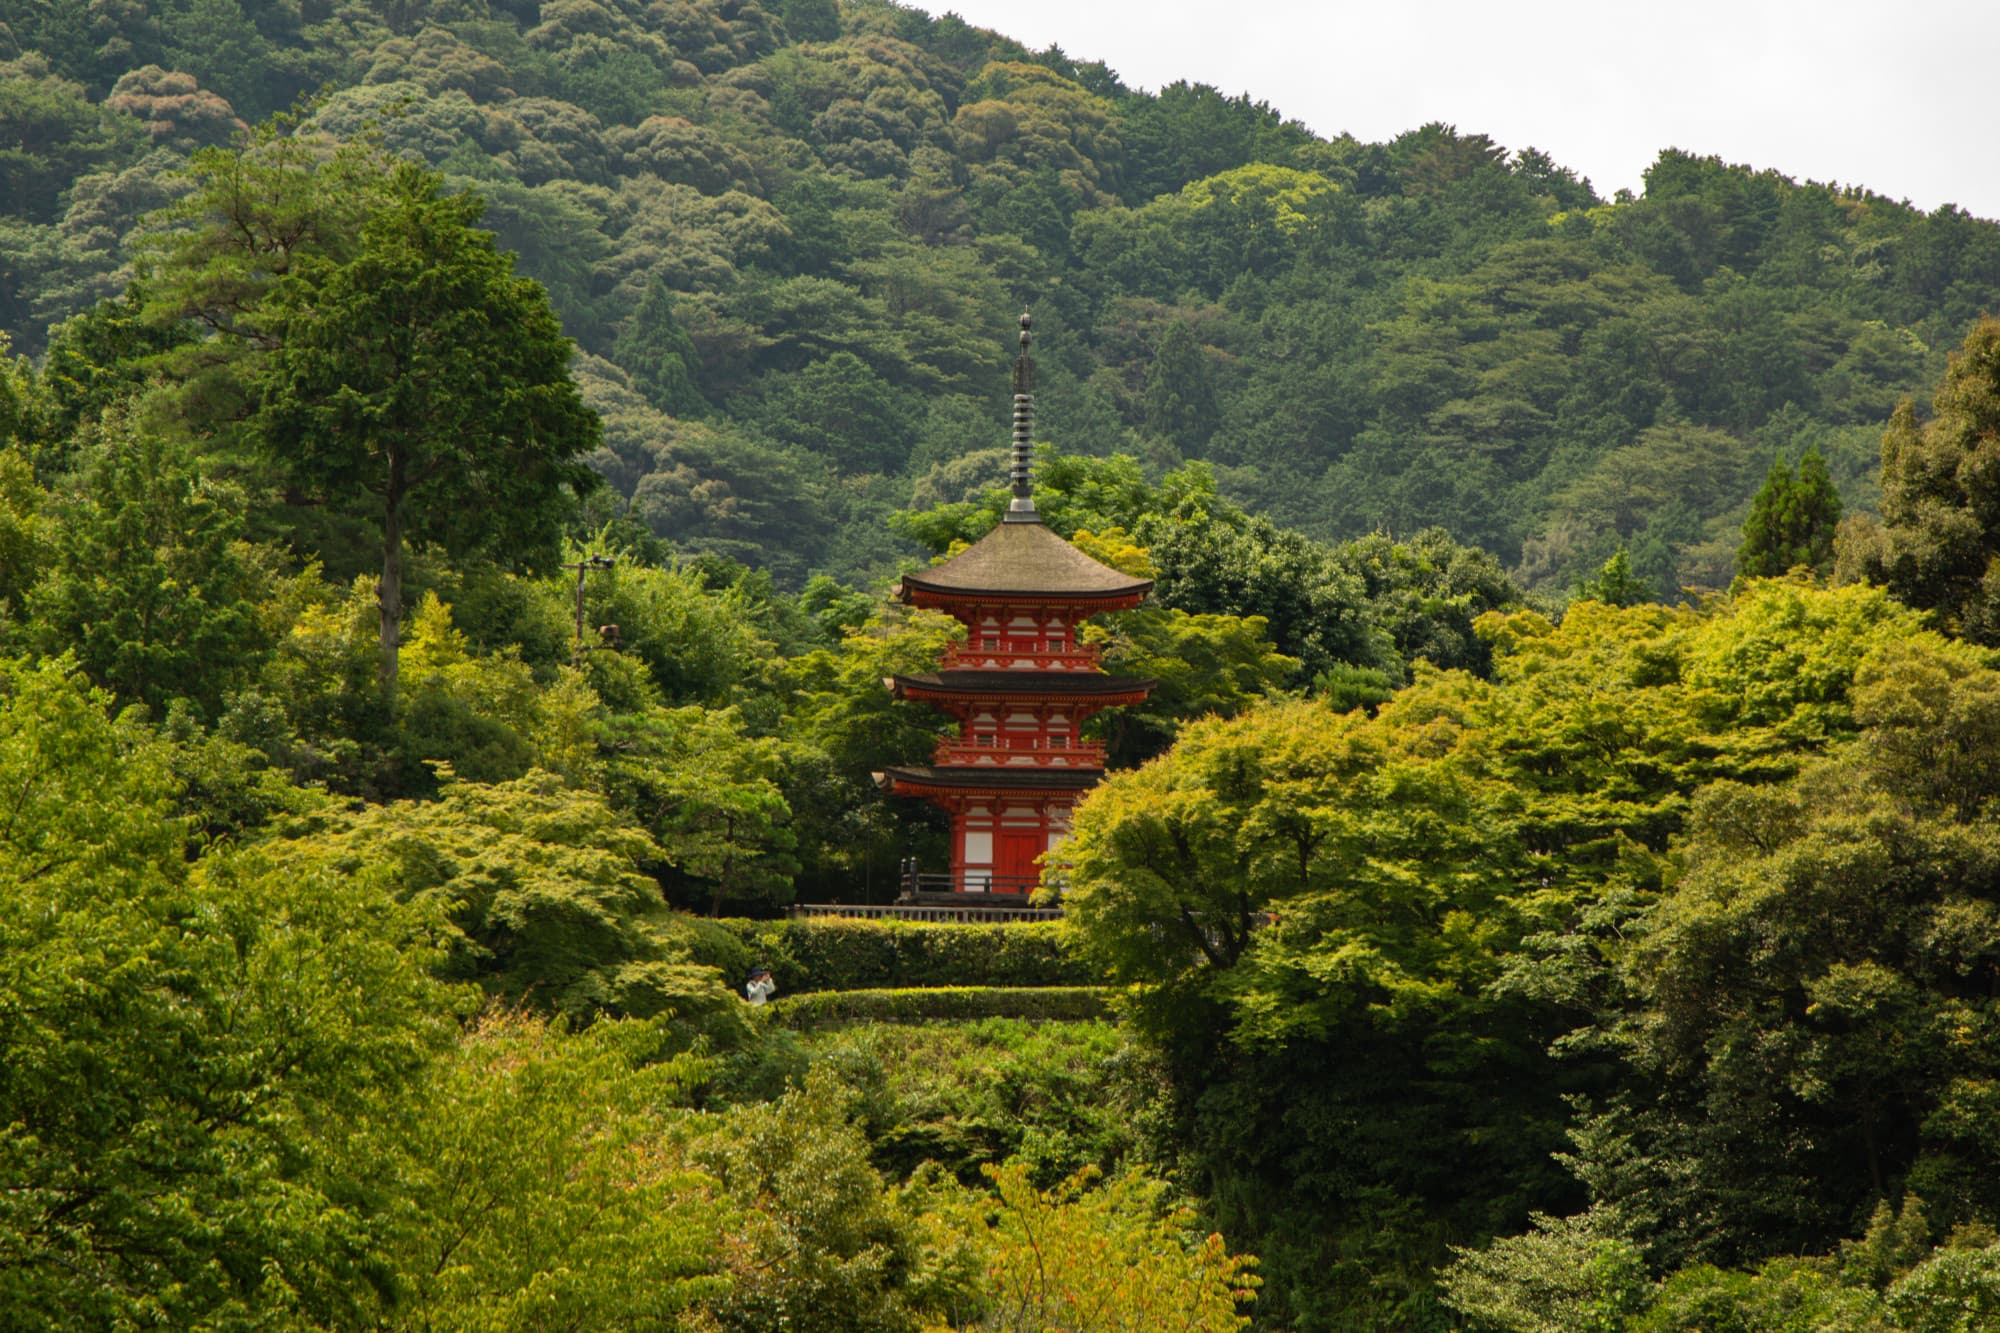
x: 583, y: 567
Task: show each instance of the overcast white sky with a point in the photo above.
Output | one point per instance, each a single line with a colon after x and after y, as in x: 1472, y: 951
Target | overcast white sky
x: 1898, y: 97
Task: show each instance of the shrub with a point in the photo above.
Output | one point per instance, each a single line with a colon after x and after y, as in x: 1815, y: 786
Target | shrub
x: 921, y: 1004
x: 831, y: 954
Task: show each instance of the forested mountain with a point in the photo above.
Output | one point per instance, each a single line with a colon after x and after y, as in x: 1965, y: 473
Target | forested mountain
x: 790, y: 239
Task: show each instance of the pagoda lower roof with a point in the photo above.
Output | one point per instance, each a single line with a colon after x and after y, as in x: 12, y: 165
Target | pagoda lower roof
x: 1024, y: 560
x: 991, y: 777
x: 1016, y: 684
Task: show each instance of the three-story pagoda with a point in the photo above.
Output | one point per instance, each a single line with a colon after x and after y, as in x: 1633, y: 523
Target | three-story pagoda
x: 1021, y: 686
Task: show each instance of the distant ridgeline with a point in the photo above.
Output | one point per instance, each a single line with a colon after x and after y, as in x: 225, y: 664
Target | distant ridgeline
x: 780, y: 235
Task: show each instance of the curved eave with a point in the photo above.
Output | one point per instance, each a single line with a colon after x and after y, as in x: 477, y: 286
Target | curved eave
x: 1015, y: 686
x: 933, y: 597
x: 1024, y: 561
x: 931, y: 781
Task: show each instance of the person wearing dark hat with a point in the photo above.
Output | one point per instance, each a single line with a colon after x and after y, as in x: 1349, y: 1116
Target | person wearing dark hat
x: 760, y: 987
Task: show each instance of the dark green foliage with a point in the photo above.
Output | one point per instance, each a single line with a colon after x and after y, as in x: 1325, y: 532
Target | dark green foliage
x: 1191, y: 130
x: 1180, y: 391
x: 837, y: 955
x: 24, y: 526
x: 1064, y: 1004
x: 840, y: 411
x: 1814, y: 915
x: 820, y: 1241
x: 811, y: 20
x: 99, y: 356
x: 215, y: 41
x: 1218, y: 562
x: 1361, y: 936
x: 50, y: 134
x: 1426, y: 592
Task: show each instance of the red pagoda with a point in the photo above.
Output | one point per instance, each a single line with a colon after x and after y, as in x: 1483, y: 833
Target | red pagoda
x: 1021, y: 686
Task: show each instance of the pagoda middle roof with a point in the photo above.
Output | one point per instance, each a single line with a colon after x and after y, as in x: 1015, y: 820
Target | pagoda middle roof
x: 1027, y: 560
x: 993, y: 777
x: 1021, y: 682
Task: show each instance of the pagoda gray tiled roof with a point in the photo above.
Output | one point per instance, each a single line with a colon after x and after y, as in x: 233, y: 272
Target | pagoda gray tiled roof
x: 1028, y: 560
x: 1024, y: 682
x: 996, y: 777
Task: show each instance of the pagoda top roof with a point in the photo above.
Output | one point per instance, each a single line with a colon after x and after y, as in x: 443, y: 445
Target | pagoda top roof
x: 1024, y: 559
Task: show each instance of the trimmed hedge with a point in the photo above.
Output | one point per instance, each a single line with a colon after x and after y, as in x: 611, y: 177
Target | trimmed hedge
x: 948, y: 1003
x: 834, y: 954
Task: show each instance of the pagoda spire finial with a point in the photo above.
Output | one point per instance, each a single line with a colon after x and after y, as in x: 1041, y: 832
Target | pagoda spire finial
x: 1022, y: 508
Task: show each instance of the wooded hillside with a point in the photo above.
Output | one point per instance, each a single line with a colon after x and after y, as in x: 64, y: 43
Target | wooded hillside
x: 791, y: 237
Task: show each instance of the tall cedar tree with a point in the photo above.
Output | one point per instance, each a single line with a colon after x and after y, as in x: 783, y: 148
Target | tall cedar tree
x: 1792, y: 520
x: 422, y: 379
x: 1180, y: 390
x: 660, y: 355
x: 1616, y: 584
x: 1939, y: 536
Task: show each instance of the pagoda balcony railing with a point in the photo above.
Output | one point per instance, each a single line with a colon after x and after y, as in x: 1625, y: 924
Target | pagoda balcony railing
x: 960, y: 910
x: 954, y: 753
x: 965, y: 657
x: 918, y: 885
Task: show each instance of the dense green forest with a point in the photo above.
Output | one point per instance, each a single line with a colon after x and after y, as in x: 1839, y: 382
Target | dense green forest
x: 452, y: 455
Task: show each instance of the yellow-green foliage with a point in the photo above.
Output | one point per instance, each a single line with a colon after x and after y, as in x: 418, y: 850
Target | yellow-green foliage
x: 541, y: 884
x: 1084, y: 1259
x: 1277, y: 197
x: 1402, y: 851
x: 525, y: 1130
